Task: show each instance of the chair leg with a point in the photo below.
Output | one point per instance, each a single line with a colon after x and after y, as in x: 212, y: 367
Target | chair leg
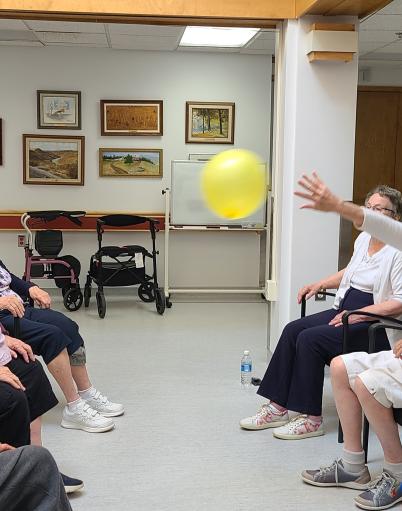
x: 340, y: 433
x: 366, y: 430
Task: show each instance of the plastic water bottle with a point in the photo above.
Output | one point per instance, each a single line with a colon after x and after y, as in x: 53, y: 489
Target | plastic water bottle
x: 246, y: 369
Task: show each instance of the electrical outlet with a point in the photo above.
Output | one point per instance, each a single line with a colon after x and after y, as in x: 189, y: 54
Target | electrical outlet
x: 319, y: 297
x: 21, y: 240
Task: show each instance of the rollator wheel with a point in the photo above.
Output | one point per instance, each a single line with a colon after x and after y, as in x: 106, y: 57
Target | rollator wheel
x: 168, y: 303
x: 87, y: 295
x: 146, y: 292
x: 73, y: 299
x: 101, y: 303
x: 160, y: 300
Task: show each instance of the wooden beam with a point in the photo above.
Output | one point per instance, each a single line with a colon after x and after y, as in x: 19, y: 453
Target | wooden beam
x: 326, y: 56
x: 233, y: 9
x: 360, y: 8
x: 337, y: 27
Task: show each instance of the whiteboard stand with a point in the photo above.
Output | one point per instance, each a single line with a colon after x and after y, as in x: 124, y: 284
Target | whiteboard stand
x: 261, y: 232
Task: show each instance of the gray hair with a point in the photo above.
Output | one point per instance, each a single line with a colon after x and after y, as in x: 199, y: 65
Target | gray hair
x: 394, y: 196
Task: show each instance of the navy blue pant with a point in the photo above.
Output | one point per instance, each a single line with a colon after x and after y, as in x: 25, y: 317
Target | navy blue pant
x: 47, y: 331
x: 295, y: 375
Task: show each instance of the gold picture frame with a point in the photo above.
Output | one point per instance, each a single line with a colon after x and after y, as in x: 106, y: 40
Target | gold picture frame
x: 131, y: 117
x: 209, y: 123
x: 137, y: 163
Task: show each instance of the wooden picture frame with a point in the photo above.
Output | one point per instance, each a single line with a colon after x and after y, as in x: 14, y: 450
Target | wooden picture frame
x: 130, y: 162
x: 131, y: 117
x: 53, y: 160
x: 58, y: 109
x: 209, y: 123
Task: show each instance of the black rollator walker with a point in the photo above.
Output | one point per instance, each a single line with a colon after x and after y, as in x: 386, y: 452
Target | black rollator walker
x: 124, y: 266
x: 65, y: 270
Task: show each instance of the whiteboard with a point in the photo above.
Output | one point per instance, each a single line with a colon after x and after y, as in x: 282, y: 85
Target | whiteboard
x: 187, y: 206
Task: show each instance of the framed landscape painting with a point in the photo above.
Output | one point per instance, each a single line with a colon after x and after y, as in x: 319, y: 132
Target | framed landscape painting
x: 209, y: 123
x: 130, y: 162
x: 134, y: 118
x: 53, y: 160
x: 59, y: 109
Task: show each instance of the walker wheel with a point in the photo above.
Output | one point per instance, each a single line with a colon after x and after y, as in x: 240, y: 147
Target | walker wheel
x: 87, y: 295
x: 160, y: 300
x: 72, y: 299
x: 146, y: 292
x: 101, y: 303
x: 168, y: 303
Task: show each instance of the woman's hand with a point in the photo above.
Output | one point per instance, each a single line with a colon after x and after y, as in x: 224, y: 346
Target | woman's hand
x: 318, y: 194
x: 40, y: 297
x: 8, y: 377
x: 13, y: 304
x: 337, y: 321
x: 397, y: 349
x: 309, y: 291
x: 6, y: 447
x: 18, y: 347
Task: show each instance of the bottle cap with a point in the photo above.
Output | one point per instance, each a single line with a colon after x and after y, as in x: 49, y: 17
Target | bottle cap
x: 246, y: 352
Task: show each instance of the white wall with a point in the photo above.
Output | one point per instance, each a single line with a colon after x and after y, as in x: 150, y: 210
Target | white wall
x: 107, y: 74
x: 319, y: 109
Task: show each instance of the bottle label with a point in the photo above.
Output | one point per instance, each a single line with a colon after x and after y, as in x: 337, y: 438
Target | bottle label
x: 246, y: 368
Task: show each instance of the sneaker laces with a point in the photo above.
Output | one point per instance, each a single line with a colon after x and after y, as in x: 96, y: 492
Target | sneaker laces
x: 380, y: 484
x: 330, y: 468
x: 297, y: 421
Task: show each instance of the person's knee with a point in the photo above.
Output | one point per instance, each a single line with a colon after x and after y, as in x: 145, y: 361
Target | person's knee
x: 79, y: 357
x: 38, y: 457
x: 13, y: 400
x: 337, y: 367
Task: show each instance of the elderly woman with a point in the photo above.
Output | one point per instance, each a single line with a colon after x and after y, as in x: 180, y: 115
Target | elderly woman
x: 56, y: 338
x: 363, y: 382
x: 372, y: 282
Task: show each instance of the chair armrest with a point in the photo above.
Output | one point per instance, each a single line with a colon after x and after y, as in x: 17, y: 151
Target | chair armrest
x: 303, y: 301
x: 373, y: 316
x: 372, y: 331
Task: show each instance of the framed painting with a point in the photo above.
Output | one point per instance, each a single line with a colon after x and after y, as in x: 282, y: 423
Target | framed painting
x: 59, y: 109
x: 134, y: 118
x: 53, y: 160
x: 130, y: 162
x: 209, y: 123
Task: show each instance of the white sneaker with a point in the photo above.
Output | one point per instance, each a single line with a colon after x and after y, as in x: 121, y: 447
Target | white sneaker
x: 298, y: 428
x: 86, y: 418
x: 266, y: 417
x: 101, y: 404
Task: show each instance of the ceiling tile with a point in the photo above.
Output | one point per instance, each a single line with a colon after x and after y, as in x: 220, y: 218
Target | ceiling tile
x: 145, y: 30
x: 143, y: 42
x: 12, y: 25
x: 391, y: 48
x: 377, y: 36
x: 383, y: 22
x: 17, y: 35
x: 66, y: 26
x: 72, y: 38
x: 21, y: 43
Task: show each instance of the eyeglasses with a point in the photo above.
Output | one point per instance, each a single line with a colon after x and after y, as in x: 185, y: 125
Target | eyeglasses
x: 379, y: 209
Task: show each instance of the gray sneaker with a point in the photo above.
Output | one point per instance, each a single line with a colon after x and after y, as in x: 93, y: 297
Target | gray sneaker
x: 383, y: 493
x: 336, y: 475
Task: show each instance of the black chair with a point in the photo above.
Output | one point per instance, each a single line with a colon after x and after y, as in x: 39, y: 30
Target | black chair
x: 381, y: 322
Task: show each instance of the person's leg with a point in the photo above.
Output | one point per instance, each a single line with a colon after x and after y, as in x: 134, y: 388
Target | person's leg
x: 14, y: 416
x: 278, y: 376
x: 29, y: 480
x: 36, y: 432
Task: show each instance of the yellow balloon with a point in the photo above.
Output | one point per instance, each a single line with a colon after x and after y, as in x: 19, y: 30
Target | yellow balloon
x: 233, y: 183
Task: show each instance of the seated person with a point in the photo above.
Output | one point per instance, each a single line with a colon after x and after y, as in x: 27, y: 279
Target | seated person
x: 372, y: 383
x: 56, y: 338
x: 25, y: 395
x: 30, y: 480
x: 372, y: 282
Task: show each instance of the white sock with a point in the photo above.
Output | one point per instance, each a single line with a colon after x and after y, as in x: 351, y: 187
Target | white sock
x: 395, y: 468
x: 88, y: 393
x: 353, y: 461
x: 74, y: 404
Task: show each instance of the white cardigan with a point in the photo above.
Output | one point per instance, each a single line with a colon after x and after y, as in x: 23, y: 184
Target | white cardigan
x: 383, y: 228
x: 388, y: 282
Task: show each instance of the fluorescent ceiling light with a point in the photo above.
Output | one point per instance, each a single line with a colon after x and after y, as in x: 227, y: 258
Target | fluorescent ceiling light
x: 217, y: 36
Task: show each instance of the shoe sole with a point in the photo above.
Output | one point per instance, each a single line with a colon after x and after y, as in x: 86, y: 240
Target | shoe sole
x: 72, y: 489
x: 88, y: 429
x: 284, y: 436
x: 110, y: 414
x: 364, y: 506
x: 267, y: 425
x: 351, y: 485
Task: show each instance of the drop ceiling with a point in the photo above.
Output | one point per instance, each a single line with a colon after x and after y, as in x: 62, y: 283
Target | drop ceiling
x: 113, y: 36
